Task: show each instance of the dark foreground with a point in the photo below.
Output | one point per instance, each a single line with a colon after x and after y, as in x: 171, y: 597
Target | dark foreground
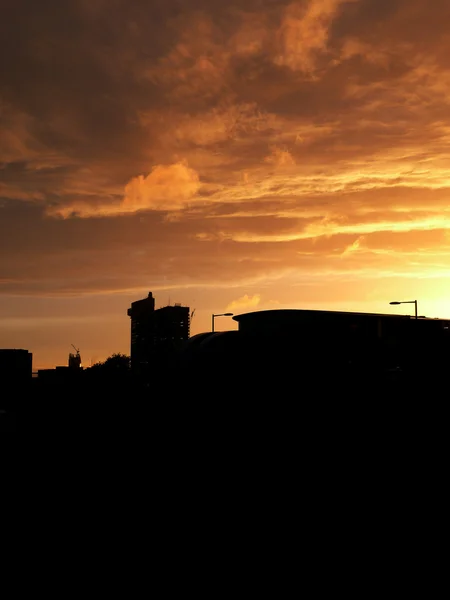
x: 183, y: 407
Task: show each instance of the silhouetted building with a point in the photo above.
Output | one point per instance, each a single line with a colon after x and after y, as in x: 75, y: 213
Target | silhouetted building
x: 59, y: 375
x: 74, y: 360
x: 142, y: 314
x: 16, y: 366
x: 310, y: 349
x: 155, y: 333
x: 172, y: 326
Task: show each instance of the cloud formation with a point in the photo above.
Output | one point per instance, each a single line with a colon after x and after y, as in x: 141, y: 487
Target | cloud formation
x: 278, y: 139
x: 244, y: 303
x: 165, y: 188
x: 304, y: 32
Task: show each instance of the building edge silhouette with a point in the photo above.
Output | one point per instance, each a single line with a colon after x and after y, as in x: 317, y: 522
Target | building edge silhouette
x: 156, y: 334
x: 284, y: 354
x: 283, y: 347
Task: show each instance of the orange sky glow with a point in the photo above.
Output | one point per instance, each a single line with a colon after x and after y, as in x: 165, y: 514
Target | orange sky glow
x: 228, y: 156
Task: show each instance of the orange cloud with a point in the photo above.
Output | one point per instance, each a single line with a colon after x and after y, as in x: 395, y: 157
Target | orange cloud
x: 18, y: 142
x: 304, y: 33
x: 244, y: 303
x: 165, y: 188
x: 228, y: 121
x: 280, y: 158
x: 354, y: 247
x: 200, y: 64
x: 196, y: 64
x: 378, y: 55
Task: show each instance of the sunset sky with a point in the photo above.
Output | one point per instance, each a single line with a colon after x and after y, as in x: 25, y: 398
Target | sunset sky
x: 227, y: 155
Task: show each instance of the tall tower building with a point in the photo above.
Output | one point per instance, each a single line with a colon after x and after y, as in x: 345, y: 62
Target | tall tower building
x: 155, y: 333
x: 142, y: 314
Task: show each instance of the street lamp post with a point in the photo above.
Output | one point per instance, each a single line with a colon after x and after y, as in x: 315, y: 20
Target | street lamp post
x: 219, y: 315
x: 408, y: 302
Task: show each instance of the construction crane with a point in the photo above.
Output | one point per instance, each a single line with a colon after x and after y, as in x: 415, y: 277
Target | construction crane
x: 75, y: 359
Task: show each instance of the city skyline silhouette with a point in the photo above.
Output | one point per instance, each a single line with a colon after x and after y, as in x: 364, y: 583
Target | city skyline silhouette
x: 230, y: 157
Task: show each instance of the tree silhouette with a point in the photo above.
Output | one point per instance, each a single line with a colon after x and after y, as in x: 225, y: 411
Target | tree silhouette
x: 116, y: 364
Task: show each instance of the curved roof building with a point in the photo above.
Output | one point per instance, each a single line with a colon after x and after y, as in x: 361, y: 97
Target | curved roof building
x: 290, y: 344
